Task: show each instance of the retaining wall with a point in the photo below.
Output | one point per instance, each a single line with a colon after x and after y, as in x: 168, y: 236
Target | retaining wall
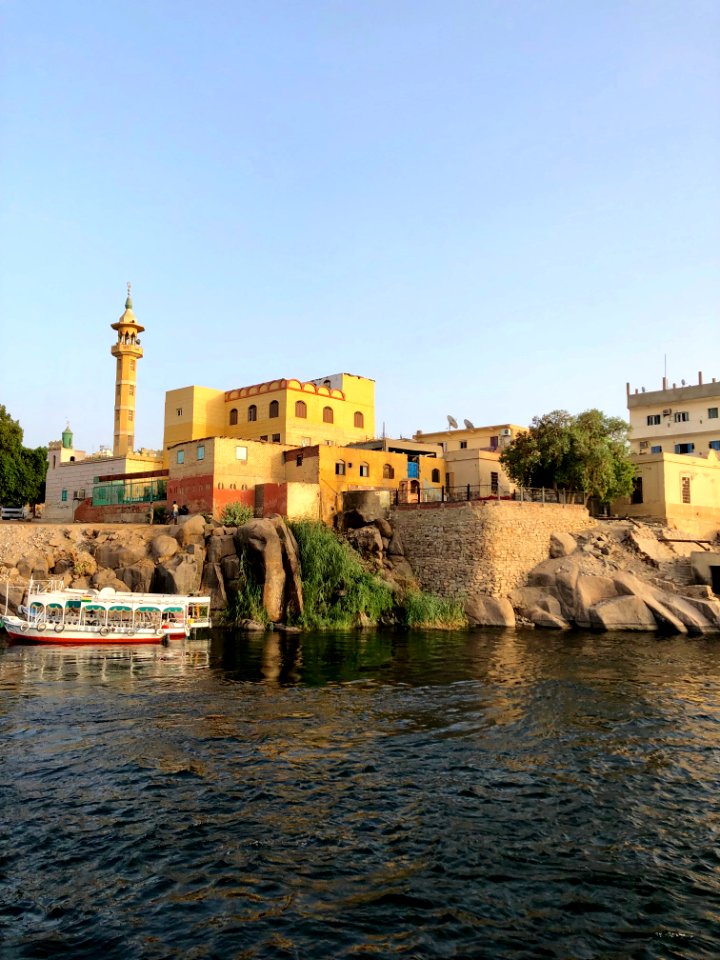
x: 484, y: 547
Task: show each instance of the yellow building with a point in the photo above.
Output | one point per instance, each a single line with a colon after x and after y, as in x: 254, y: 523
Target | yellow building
x: 472, y: 457
x: 681, y: 419
x: 127, y: 351
x: 336, y: 469
x: 331, y: 410
x: 679, y: 490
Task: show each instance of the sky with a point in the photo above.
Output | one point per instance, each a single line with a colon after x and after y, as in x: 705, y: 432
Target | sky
x: 493, y: 208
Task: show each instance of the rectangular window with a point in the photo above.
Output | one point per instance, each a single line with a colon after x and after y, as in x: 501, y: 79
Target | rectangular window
x: 463, y: 444
x: 241, y: 453
x: 657, y: 449
x: 178, y: 411
x: 494, y: 485
x: 276, y: 438
x: 714, y: 444
x: 131, y: 414
x: 264, y: 436
x: 340, y: 468
x: 653, y: 420
x: 305, y: 442
x: 364, y: 470
x: 637, y: 493
x: 201, y: 452
x: 685, y: 488
x: 682, y: 416
x: 63, y: 496
x: 494, y: 443
x: 712, y: 413
x: 181, y: 456
x: 132, y: 390
x: 298, y: 460
x: 684, y: 447
x: 643, y: 446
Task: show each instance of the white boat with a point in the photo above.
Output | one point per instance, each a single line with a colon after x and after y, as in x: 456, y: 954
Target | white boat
x: 57, y: 614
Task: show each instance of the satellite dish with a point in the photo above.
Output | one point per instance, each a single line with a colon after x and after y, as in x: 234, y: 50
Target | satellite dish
x: 469, y: 424
x: 452, y: 421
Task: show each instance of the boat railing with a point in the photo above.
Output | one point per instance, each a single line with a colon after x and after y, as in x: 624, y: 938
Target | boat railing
x: 45, y: 586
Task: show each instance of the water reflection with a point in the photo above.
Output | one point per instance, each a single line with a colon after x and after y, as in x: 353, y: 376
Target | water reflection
x: 471, y: 794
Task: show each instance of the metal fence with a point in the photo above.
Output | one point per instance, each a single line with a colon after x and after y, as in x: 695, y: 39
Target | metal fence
x: 486, y: 492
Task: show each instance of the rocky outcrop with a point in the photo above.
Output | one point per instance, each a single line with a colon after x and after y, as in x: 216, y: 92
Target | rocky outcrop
x: 611, y: 581
x: 489, y: 612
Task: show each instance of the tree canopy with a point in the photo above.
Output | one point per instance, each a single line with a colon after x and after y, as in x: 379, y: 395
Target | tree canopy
x: 588, y: 452
x: 22, y: 470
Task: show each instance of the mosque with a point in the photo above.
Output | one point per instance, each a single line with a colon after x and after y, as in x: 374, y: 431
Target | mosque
x: 287, y: 446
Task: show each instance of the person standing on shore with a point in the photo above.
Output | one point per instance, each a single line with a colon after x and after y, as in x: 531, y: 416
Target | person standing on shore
x: 175, y: 511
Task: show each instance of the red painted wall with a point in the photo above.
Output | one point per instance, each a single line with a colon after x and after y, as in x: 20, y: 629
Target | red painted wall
x: 271, y: 498
x: 221, y: 498
x: 85, y: 512
x: 194, y: 492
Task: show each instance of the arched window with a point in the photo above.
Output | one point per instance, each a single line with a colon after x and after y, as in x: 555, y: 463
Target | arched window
x: 328, y: 416
x: 364, y: 469
x: 301, y: 409
x: 359, y: 419
x: 233, y: 417
x: 340, y: 468
x: 388, y: 472
x: 252, y: 413
x: 436, y: 476
x: 274, y: 408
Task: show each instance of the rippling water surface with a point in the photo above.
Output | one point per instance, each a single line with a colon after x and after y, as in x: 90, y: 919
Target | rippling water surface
x: 433, y: 795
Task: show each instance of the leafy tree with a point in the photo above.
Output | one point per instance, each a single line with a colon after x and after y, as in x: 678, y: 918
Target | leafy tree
x: 587, y: 452
x: 22, y: 470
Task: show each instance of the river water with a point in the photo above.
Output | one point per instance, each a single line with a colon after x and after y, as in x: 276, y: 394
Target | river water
x: 484, y: 794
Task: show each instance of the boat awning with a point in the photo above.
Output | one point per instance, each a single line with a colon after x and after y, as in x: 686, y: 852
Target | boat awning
x: 148, y: 609
x: 119, y: 606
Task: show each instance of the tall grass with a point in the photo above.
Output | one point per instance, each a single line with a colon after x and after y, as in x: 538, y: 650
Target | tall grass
x: 424, y: 610
x: 245, y: 603
x: 337, y: 590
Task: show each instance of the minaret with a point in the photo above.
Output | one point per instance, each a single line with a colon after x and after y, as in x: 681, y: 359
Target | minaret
x: 128, y: 351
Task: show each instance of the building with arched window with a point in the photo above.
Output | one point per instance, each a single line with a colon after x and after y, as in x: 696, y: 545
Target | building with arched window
x: 338, y: 409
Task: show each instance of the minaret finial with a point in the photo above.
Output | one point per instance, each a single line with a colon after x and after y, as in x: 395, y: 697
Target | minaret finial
x: 128, y: 302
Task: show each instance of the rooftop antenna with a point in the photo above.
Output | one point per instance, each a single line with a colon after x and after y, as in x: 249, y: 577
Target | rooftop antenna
x: 469, y: 424
x: 452, y: 421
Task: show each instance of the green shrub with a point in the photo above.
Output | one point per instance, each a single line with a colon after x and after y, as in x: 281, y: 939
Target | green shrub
x: 236, y: 514
x: 424, y: 610
x: 337, y: 590
x: 245, y: 603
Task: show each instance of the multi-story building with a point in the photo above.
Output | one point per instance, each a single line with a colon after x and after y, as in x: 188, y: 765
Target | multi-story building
x: 330, y: 410
x: 472, y: 456
x: 678, y: 419
x: 73, y: 477
x: 675, y: 441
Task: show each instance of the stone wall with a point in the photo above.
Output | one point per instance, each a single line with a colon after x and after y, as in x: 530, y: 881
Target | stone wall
x: 484, y: 547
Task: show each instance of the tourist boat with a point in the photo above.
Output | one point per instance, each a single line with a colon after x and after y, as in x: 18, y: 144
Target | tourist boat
x: 57, y: 614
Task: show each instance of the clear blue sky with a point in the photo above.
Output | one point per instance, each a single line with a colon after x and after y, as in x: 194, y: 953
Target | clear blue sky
x: 493, y: 208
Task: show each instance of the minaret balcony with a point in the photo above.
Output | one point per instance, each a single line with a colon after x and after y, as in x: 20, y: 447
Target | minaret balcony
x: 126, y: 350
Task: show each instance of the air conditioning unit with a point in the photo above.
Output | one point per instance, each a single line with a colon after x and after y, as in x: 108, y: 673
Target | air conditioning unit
x: 506, y: 432
x: 667, y: 412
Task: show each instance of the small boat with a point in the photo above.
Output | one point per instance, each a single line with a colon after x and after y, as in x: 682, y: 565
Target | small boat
x: 57, y: 614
